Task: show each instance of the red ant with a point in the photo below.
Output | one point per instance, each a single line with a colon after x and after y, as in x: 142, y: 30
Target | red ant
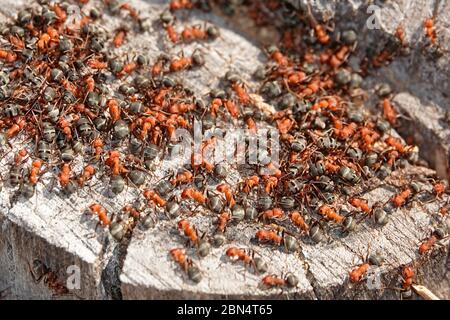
x: 102, y: 214
x: 400, y: 199
x: 87, y: 174
x: 298, y: 220
x: 389, y: 112
x: 430, y: 30
x: 132, y: 11
x: 64, y: 175
x: 49, y: 277
x: 151, y: 195
x: 189, y: 230
x: 274, y: 281
x: 275, y: 213
x: 226, y: 190
x: 180, y: 257
x: 97, y: 64
x: 222, y: 221
x: 127, y: 68
x: 8, y: 56
x: 113, y: 161
x: 429, y: 243
x: 270, y: 183
x: 35, y: 170
x: 173, y: 36
x: 269, y: 236
x: 97, y: 144
x: 439, y: 188
x: 193, y: 194
x: 183, y: 177
x: 119, y: 38
x: 330, y: 213
x: 360, y: 204
x: 180, y: 4
x: 114, y: 109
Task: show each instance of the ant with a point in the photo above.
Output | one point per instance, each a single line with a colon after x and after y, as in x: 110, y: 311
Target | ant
x: 239, y: 254
x: 361, y: 270
x: 64, y: 175
x: 172, y: 34
x: 396, y: 144
x: 119, y: 37
x: 226, y: 190
x: 183, y: 63
x: 87, y: 174
x: 180, y: 4
x: 97, y: 64
x: 60, y: 13
x: 132, y: 11
x: 127, y: 69
x: 407, y: 277
x: 223, y: 220
x: 97, y: 145
x: 191, y: 193
x: 280, y: 59
x: 430, y: 30
x: 439, y: 188
x: 193, y: 33
x: 251, y: 125
x: 232, y: 108
x: 298, y: 220
x: 401, y: 198
x: 270, y: 183
x: 152, y: 196
x: 187, y: 265
x: 49, y: 277
x: 65, y: 123
x: 389, y: 112
x: 8, y: 56
x: 330, y: 213
x: 81, y: 108
x: 241, y: 93
x: 188, y: 230
x: 248, y: 258
x: 102, y: 214
x: 444, y: 210
x: 400, y: 35
x: 429, y: 243
x: 35, y: 170
x: 289, y: 280
x: 275, y: 213
x: 16, y: 128
x: 114, y: 110
x: 19, y: 156
x: 182, y: 177
x: 360, y: 204
x: 113, y: 161
x: 269, y: 236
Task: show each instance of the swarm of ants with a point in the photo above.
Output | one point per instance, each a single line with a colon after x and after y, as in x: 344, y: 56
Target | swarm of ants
x: 54, y: 92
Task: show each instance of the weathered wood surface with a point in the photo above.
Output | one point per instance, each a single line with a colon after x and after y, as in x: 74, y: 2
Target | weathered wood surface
x: 420, y: 79
x: 57, y: 231
x: 322, y: 268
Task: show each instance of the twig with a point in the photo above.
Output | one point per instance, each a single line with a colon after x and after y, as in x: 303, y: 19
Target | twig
x: 424, y: 292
